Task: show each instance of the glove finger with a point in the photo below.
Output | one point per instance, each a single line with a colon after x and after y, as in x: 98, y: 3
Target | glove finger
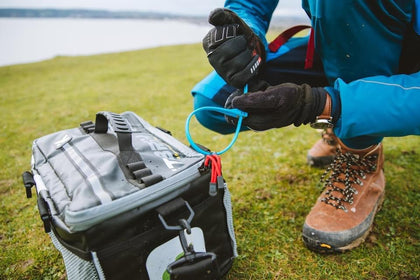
x: 276, y: 98
x: 221, y: 16
x: 258, y: 122
x: 245, y: 73
x: 228, y: 103
x: 235, y: 62
x: 228, y: 49
x: 256, y: 102
x: 230, y: 58
x: 217, y: 36
x: 231, y: 120
x: 225, y: 16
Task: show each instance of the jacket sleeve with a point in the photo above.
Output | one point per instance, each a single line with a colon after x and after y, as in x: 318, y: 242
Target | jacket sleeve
x: 380, y: 106
x: 256, y: 13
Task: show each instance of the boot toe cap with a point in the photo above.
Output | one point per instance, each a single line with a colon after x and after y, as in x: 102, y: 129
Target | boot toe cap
x: 318, y: 239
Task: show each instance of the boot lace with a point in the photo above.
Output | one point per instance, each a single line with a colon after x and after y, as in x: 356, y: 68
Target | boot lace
x: 346, y: 173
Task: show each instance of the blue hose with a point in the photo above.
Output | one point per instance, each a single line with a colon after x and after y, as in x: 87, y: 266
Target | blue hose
x: 230, y: 112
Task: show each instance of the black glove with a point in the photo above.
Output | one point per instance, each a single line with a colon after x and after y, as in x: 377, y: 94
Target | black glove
x: 233, y: 49
x: 278, y: 106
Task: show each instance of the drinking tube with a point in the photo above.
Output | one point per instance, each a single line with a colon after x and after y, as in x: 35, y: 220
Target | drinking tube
x: 236, y: 113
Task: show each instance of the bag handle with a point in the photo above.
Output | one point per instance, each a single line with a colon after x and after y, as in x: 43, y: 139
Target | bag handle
x: 130, y: 159
x: 123, y: 131
x: 119, y: 125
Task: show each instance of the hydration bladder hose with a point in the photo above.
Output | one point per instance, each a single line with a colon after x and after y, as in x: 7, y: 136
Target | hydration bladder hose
x: 230, y: 112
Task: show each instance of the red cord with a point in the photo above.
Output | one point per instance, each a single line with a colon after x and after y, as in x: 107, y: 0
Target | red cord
x: 216, y: 166
x: 309, y: 61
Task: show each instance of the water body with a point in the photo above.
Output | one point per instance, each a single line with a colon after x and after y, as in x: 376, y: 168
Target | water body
x: 25, y: 40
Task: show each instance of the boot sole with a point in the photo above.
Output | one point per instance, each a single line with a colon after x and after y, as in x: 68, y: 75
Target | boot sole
x: 323, y: 248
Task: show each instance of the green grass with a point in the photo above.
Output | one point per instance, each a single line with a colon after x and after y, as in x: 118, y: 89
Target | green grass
x: 272, y: 187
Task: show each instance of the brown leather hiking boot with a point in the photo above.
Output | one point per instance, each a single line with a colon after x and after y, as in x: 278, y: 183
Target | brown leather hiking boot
x: 354, y: 191
x: 323, y: 151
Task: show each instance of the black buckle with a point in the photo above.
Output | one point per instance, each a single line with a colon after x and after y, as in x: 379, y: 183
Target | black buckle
x: 44, y: 213
x: 28, y: 182
x: 193, y: 265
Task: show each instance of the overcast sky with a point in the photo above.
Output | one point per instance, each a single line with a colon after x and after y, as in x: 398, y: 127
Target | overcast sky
x: 197, y: 7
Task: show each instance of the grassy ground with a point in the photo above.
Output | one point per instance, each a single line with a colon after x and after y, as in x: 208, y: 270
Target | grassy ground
x: 272, y: 187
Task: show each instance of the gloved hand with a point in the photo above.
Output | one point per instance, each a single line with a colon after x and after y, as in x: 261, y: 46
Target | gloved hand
x: 278, y: 106
x: 233, y: 49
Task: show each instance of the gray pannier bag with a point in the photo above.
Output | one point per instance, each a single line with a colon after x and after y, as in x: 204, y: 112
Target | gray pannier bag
x: 122, y: 199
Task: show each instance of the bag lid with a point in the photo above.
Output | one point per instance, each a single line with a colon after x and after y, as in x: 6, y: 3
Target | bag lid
x: 90, y: 177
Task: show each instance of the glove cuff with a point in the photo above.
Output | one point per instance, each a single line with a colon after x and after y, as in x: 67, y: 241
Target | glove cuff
x: 313, y: 104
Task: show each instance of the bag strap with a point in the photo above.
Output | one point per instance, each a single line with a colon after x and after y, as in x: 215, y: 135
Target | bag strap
x: 283, y: 37
x: 43, y: 208
x: 28, y: 183
x: 192, y: 265
x: 120, y: 126
x: 129, y: 157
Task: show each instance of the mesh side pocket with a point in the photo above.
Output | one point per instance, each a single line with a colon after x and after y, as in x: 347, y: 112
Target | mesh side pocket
x: 76, y: 268
x: 227, y: 202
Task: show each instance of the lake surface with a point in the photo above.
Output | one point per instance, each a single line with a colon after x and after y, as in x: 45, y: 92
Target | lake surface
x: 24, y: 40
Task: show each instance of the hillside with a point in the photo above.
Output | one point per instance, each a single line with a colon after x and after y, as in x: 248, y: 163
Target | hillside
x: 271, y: 185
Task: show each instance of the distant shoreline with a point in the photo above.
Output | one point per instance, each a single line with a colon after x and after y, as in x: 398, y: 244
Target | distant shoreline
x: 88, y: 13
x: 277, y: 21
x: 31, y: 35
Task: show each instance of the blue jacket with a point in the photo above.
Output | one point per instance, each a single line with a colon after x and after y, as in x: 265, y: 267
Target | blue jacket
x: 360, y: 43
